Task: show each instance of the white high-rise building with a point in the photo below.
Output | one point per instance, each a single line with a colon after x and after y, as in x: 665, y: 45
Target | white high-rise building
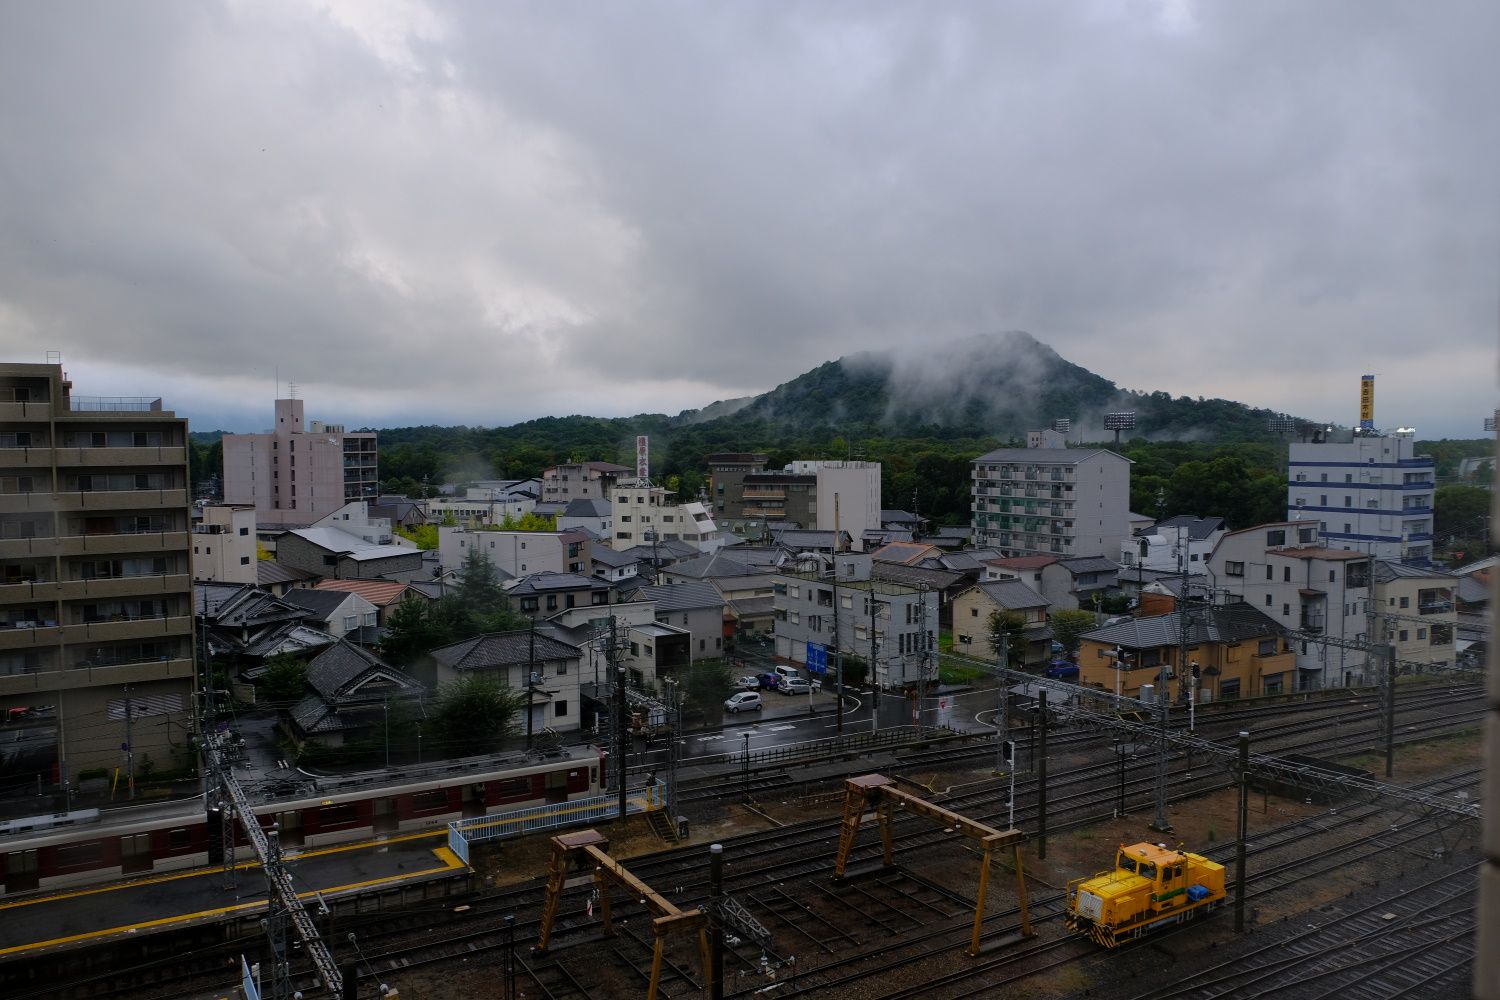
x: 1372, y: 494
x: 643, y: 513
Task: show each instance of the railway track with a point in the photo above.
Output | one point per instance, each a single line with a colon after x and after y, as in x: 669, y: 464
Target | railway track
x: 762, y: 865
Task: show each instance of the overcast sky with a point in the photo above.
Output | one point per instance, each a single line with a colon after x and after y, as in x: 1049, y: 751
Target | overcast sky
x: 481, y: 213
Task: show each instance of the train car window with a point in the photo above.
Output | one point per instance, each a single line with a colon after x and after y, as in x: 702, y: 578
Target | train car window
x: 514, y: 786
x: 80, y: 855
x: 1148, y: 870
x: 1128, y: 864
x: 179, y: 839
x: 1177, y: 871
x: 328, y: 816
x: 428, y: 801
x: 20, y: 863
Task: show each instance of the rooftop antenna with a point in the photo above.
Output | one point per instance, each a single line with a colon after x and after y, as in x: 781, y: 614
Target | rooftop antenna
x: 291, y: 390
x: 277, y: 370
x: 54, y: 357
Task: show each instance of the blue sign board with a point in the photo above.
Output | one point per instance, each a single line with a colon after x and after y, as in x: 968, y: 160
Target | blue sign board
x: 817, y: 658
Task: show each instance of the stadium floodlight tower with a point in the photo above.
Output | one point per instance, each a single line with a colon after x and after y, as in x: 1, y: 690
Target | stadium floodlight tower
x: 1062, y: 425
x: 1118, y: 422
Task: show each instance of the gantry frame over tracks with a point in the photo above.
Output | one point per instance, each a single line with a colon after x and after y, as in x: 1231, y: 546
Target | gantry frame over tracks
x: 881, y: 793
x: 589, y: 847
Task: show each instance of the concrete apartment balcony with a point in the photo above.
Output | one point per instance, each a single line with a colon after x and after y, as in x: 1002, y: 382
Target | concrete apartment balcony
x: 80, y: 457
x: 125, y: 628
x: 26, y: 458
x: 100, y: 500
x: 25, y: 411
x: 25, y: 593
x: 124, y: 586
x: 20, y: 548
x: 91, y: 676
x: 29, y: 638
x: 36, y: 501
x: 112, y: 544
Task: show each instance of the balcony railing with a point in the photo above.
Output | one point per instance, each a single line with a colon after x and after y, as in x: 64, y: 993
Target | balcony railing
x: 114, y: 404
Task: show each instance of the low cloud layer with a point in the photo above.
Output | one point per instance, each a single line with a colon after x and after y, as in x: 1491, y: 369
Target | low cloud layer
x: 480, y: 213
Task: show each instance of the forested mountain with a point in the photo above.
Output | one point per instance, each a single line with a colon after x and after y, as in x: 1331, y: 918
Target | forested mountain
x: 924, y: 414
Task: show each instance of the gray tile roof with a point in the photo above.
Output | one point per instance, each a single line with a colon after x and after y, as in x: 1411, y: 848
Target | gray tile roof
x: 1090, y: 564
x: 607, y: 556
x: 1197, y: 528
x: 320, y: 603
x: 503, y: 649
x: 1472, y: 590
x: 587, y: 507
x: 683, y: 596
x: 899, y: 517
x: 268, y: 572
x: 1013, y: 595
x: 339, y: 670
x: 1225, y: 623
x: 547, y: 583
x: 934, y: 579
x: 1385, y: 571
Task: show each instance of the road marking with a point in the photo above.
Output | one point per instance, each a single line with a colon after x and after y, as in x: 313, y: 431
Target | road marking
x: 779, y: 729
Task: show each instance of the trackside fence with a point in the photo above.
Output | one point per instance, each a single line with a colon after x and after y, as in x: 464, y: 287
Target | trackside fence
x: 516, y: 822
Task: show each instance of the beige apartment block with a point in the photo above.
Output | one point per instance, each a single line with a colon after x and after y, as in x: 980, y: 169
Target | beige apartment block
x: 224, y: 545
x: 96, y: 619
x: 301, y: 469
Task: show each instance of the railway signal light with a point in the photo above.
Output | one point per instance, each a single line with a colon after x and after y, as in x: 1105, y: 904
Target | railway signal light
x: 1008, y: 751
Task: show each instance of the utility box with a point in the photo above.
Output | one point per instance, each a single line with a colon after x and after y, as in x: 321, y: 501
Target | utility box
x: 682, y: 828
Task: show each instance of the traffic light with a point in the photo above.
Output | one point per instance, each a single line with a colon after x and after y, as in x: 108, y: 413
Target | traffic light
x: 1008, y: 751
x: 1194, y: 665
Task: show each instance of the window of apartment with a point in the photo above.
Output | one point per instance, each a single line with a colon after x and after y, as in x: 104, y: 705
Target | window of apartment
x: 1421, y: 633
x: 351, y: 622
x: 1372, y: 504
x: 528, y: 604
x: 1402, y: 635
x: 795, y: 617
x: 1348, y: 528
x: 1324, y: 477
x: 1322, y: 499
x: 1300, y: 501
x: 1348, y: 477
x: 1230, y: 569
x: 244, y: 560
x: 1406, y: 602
x: 1276, y: 536
x: 1286, y: 611
x: 1267, y: 647
x: 562, y: 709
x: 1268, y: 600
x: 1268, y: 572
x: 1286, y: 574
x: 1348, y: 500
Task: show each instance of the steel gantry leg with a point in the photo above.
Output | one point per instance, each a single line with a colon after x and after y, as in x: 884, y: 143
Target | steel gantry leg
x: 856, y: 793
x: 984, y: 886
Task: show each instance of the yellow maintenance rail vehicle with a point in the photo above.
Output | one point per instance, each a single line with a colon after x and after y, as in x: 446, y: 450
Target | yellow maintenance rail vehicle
x: 1150, y: 887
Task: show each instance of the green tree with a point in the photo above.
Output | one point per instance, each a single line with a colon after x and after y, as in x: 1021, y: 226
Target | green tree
x: 1011, y: 625
x: 705, y: 684
x: 474, y: 714
x: 1067, y: 626
x: 478, y: 592
x: 1460, y: 512
x: 425, y: 535
x: 410, y: 632
x: 285, y: 679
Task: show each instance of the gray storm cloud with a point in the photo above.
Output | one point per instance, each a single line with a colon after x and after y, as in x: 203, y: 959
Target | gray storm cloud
x: 481, y: 213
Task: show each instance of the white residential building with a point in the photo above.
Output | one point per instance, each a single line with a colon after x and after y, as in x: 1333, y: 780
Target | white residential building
x: 848, y: 496
x: 1177, y: 543
x: 517, y: 553
x: 890, y: 625
x: 641, y: 510
x: 1052, y: 501
x: 224, y: 545
x: 480, y: 506
x: 1372, y: 493
x: 1284, y: 570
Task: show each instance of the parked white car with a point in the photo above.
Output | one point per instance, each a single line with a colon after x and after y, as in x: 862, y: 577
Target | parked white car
x: 794, y: 685
x: 742, y: 701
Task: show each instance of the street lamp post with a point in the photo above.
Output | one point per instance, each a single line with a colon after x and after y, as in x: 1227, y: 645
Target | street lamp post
x: 746, y: 768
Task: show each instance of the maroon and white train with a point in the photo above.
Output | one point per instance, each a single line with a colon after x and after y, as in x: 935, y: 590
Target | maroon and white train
x: 85, y: 847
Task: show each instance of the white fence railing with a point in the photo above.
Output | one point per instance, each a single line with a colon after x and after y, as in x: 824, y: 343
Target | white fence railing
x: 532, y: 819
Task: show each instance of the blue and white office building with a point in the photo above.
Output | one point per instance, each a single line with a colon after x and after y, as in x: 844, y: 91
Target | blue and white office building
x: 1372, y: 494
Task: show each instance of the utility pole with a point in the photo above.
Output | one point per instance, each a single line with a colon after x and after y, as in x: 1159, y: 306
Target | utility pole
x: 622, y: 734
x: 129, y: 746
x: 715, y: 926
x: 1041, y: 776
x: 530, y: 680
x: 1240, y: 879
x: 838, y: 646
x: 874, y: 667
x: 1002, y: 708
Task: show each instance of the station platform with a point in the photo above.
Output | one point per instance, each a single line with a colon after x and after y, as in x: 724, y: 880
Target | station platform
x: 96, y: 914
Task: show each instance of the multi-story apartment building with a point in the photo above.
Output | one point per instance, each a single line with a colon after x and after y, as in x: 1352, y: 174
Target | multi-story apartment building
x: 581, y: 481
x: 1178, y: 543
x: 517, y: 553
x: 480, y: 506
x: 95, y: 573
x: 644, y: 513
x: 1052, y: 501
x: 1314, y: 591
x: 891, y: 626
x: 1372, y: 493
x: 301, y: 469
x: 752, y: 501
x: 224, y: 545
x: 1416, y: 613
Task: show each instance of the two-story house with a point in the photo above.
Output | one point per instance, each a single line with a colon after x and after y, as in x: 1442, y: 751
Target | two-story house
x: 545, y: 670
x: 1240, y: 652
x: 971, y: 621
